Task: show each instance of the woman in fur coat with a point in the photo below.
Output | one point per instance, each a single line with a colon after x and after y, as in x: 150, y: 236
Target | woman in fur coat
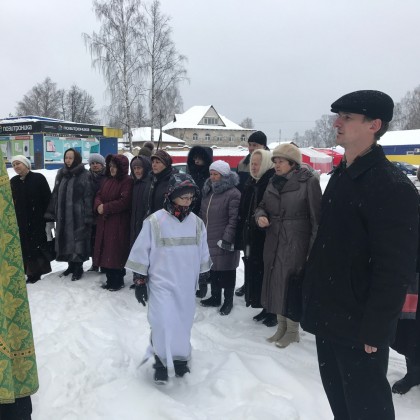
x: 219, y: 211
x: 71, y: 208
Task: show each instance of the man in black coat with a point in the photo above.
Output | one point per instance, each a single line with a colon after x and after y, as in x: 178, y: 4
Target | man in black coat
x: 363, y: 258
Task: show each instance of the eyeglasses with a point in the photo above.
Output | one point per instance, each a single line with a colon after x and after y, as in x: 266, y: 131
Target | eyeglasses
x: 186, y: 197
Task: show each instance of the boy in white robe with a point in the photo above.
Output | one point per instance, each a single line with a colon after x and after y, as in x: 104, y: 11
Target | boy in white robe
x: 171, y: 255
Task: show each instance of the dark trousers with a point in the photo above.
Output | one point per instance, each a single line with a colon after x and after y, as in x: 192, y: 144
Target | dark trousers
x: 223, y: 279
x: 355, y: 382
x: 21, y: 409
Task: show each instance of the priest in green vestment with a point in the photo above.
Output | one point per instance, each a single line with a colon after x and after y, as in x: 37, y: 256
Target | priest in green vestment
x: 18, y: 371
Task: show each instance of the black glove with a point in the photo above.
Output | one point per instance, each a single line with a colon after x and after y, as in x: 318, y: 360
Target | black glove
x: 227, y: 246
x: 141, y: 293
x: 203, y: 278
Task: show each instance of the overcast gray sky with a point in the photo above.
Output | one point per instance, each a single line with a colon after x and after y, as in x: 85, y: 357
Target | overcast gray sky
x: 280, y: 62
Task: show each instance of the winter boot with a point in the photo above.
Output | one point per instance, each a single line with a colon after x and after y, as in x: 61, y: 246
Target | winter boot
x: 70, y: 269
x: 412, y: 378
x: 117, y: 280
x: 202, y: 291
x: 77, y: 271
x: 291, y: 336
x: 181, y: 368
x: 161, y: 372
x: 270, y: 320
x: 260, y: 316
x: 281, y: 329
x: 94, y: 268
x: 228, y: 303
x: 240, y: 291
x: 216, y: 297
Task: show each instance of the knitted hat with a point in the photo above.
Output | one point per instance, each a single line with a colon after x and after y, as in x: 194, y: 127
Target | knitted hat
x: 258, y: 137
x: 220, y: 166
x: 145, y: 151
x: 96, y: 157
x: 372, y: 103
x: 163, y: 157
x: 22, y: 159
x: 288, y: 151
x: 149, y: 145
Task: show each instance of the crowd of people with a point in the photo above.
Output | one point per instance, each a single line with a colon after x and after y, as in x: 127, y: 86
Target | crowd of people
x: 338, y: 263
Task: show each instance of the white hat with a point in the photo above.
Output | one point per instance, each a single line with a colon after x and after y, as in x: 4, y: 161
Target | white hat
x: 22, y: 159
x: 220, y: 166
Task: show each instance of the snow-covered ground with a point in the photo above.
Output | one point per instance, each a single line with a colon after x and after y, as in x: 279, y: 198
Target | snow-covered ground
x: 89, y: 343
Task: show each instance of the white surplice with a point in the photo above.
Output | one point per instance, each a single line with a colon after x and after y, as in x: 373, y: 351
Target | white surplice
x: 172, y: 254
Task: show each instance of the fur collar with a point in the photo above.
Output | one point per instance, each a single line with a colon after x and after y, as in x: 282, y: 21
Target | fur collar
x: 226, y: 183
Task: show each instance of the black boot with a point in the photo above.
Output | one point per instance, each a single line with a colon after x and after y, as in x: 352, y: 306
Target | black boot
x: 270, y: 320
x: 202, y: 291
x: 260, y: 316
x: 228, y: 303
x: 94, y: 268
x: 240, y: 291
x: 216, y: 296
x: 117, y: 280
x: 77, y: 271
x: 181, y: 368
x: 412, y: 378
x: 161, y: 372
x: 33, y: 279
x: 70, y: 269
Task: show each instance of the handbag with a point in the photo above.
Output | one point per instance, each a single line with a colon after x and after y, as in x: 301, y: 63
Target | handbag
x: 48, y: 250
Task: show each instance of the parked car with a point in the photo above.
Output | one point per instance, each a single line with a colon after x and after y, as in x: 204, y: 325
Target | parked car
x: 182, y: 167
x: 407, y: 168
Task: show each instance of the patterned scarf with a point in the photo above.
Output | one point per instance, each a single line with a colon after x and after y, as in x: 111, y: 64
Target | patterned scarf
x: 180, y: 212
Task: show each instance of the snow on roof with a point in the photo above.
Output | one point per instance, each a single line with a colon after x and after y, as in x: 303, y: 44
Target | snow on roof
x: 144, y: 134
x: 217, y: 151
x: 400, y: 138
x: 192, y: 117
x: 35, y: 118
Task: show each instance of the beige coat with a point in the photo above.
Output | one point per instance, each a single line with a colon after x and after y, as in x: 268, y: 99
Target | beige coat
x: 293, y: 215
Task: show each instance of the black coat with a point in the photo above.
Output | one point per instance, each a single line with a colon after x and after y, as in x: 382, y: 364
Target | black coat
x: 250, y: 238
x: 138, y: 209
x: 199, y: 173
x: 31, y: 197
x: 364, y: 254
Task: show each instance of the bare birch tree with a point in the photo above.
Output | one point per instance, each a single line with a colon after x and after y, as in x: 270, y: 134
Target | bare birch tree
x: 42, y: 100
x: 247, y: 123
x: 116, y: 51
x: 77, y: 105
x: 164, y: 66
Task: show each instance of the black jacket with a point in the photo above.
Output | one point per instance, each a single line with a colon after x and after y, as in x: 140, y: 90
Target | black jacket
x: 199, y: 173
x: 364, y: 254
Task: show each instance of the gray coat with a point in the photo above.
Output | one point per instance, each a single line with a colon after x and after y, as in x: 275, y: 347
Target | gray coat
x: 293, y: 214
x: 219, y: 211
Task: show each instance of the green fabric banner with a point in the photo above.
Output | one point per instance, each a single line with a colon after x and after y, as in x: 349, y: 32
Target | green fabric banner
x: 18, y: 371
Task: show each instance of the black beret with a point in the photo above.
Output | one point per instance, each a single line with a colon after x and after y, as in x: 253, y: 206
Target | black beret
x: 372, y: 103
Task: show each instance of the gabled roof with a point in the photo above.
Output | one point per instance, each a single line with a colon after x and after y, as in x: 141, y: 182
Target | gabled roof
x: 144, y: 134
x: 193, y: 116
